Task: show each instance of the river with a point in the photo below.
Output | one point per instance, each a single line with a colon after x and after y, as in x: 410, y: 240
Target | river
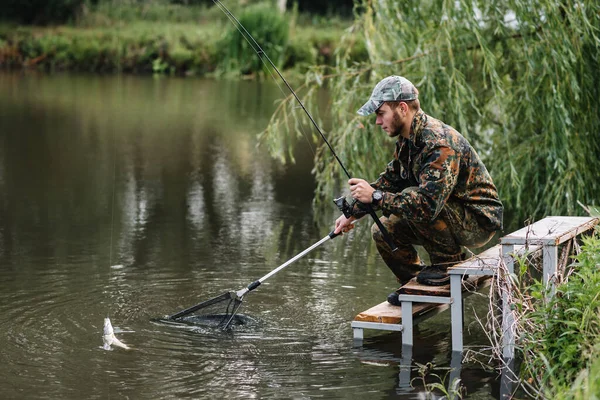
x: 134, y: 197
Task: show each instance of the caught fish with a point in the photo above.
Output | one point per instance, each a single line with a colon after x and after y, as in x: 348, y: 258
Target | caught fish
x: 109, y: 337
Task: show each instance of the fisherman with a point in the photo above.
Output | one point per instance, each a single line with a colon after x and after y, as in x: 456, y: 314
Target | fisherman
x: 435, y: 192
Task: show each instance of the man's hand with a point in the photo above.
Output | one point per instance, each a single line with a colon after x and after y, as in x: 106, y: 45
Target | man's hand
x: 361, y: 190
x: 343, y: 224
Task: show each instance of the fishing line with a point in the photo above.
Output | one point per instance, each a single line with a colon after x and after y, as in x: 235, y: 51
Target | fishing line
x: 259, y: 51
x: 112, y: 207
x: 114, y: 144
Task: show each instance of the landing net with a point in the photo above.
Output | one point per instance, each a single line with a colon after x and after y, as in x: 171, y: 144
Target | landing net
x: 219, y: 312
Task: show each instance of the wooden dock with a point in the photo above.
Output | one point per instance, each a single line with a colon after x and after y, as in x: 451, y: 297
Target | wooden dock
x: 419, y: 302
x: 388, y: 314
x: 385, y: 316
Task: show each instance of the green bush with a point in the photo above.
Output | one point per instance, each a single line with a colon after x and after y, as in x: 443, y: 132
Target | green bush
x: 181, y: 58
x: 358, y: 52
x: 299, y: 54
x: 269, y: 29
x: 560, y: 342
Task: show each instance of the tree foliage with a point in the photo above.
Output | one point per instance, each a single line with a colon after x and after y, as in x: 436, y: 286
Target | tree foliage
x: 520, y: 79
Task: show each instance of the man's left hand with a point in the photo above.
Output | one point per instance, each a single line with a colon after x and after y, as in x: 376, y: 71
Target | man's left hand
x: 361, y: 190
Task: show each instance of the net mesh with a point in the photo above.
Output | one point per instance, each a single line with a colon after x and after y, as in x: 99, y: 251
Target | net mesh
x: 218, y: 312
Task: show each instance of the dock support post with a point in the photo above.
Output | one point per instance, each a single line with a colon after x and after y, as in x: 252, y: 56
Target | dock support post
x: 407, y: 323
x: 508, y: 334
x: 358, y: 334
x: 550, y: 262
x: 405, y: 367
x: 456, y: 312
x: 455, y: 370
x: 508, y: 379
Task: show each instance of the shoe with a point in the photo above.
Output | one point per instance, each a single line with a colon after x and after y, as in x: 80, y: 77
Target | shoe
x: 433, y: 275
x: 393, y: 299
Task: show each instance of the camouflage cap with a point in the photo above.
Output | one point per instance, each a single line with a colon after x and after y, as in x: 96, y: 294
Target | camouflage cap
x: 392, y: 88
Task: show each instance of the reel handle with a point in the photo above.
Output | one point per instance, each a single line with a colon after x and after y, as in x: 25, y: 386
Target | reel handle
x: 346, y: 209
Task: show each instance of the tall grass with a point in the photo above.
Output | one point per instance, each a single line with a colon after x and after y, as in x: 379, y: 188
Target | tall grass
x: 270, y: 30
x: 559, y: 338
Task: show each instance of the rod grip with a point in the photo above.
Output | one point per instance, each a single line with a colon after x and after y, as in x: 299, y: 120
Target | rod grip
x: 332, y: 234
x: 253, y: 286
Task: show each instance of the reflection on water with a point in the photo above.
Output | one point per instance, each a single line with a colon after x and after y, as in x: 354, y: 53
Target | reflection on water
x: 134, y: 197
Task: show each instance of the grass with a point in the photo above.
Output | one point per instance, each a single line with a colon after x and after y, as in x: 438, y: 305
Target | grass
x: 168, y: 39
x: 559, y: 339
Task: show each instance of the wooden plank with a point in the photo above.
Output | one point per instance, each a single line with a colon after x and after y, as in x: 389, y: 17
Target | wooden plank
x: 389, y: 314
x: 413, y: 287
x: 490, y: 259
x: 551, y: 230
x: 487, y: 258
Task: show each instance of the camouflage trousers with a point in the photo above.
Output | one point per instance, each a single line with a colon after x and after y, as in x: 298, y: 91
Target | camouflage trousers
x: 443, y: 239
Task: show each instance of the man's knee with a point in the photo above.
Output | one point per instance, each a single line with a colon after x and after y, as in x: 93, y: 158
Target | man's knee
x: 378, y: 237
x: 376, y: 232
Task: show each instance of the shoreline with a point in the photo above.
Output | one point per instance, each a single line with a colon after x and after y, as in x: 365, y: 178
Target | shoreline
x: 145, y: 47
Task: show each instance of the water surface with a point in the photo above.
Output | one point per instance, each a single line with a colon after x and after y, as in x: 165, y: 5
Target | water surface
x: 135, y: 197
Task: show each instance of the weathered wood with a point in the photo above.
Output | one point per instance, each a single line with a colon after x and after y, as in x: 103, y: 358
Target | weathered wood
x: 389, y: 314
x: 542, y: 236
x: 413, y: 287
x: 487, y: 258
x: 488, y: 261
x: 551, y: 231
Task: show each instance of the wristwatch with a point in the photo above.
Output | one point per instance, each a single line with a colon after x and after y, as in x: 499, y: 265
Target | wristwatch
x: 377, y: 196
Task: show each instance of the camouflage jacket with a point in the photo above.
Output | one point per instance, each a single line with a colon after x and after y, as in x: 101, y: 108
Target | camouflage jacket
x: 442, y: 165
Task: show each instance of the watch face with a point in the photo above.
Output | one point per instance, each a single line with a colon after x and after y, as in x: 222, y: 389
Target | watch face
x: 377, y: 195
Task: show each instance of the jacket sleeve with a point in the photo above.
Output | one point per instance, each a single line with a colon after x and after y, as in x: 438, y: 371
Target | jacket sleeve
x: 437, y: 178
x: 385, y: 183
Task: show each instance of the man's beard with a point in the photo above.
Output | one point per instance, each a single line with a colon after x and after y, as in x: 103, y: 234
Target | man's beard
x: 396, y: 126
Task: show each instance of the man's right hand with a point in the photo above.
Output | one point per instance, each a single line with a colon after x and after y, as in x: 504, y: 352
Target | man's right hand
x: 343, y: 224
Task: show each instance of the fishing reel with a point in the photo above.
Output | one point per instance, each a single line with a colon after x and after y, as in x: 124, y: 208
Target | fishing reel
x: 343, y: 205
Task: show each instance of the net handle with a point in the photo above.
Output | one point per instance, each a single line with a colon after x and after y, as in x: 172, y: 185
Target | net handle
x: 240, y: 293
x: 238, y: 296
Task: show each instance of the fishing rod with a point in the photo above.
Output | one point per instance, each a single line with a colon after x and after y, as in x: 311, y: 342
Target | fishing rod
x: 263, y: 56
x: 230, y: 302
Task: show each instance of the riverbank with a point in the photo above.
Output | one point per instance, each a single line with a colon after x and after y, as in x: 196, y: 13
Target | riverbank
x: 559, y: 340
x: 204, y: 43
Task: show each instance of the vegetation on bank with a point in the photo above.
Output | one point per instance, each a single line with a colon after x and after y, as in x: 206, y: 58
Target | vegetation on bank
x: 173, y: 39
x: 559, y: 340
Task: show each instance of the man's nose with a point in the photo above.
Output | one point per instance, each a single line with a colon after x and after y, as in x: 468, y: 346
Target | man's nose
x: 378, y: 121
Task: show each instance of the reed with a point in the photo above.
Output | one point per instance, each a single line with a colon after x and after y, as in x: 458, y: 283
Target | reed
x: 557, y: 336
x: 268, y: 27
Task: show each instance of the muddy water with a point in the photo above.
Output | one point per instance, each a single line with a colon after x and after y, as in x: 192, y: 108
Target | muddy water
x: 135, y: 197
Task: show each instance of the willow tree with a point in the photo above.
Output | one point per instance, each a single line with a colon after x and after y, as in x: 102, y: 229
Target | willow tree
x: 519, y: 78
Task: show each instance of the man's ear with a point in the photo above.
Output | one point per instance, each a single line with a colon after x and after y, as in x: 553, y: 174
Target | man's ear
x: 406, y: 107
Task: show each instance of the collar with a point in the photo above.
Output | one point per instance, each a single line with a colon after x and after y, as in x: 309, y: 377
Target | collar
x: 416, y: 127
